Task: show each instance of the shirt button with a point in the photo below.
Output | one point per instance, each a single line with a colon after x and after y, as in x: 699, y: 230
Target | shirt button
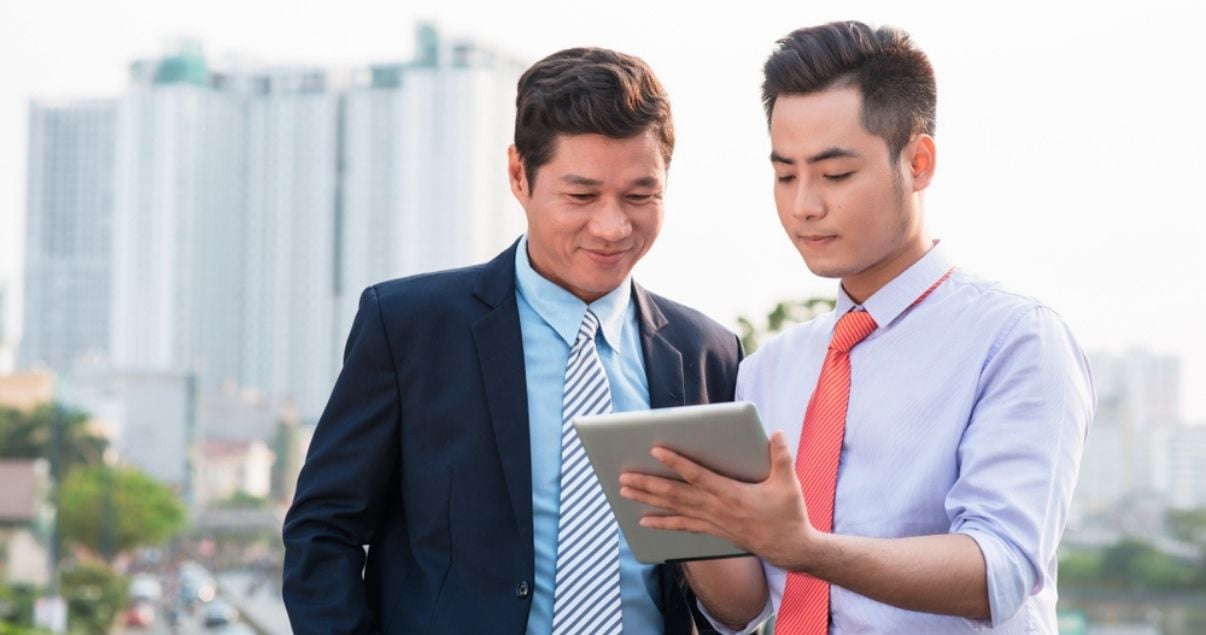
x: 523, y: 590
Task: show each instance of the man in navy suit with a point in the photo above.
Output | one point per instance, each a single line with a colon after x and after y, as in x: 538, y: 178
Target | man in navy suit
x: 443, y: 446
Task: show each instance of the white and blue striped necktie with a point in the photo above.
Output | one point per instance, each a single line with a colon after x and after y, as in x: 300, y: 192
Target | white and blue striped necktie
x: 586, y: 598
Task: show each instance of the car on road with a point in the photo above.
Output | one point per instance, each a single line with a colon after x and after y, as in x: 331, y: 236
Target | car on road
x: 146, y: 587
x: 219, y: 613
x: 140, y: 614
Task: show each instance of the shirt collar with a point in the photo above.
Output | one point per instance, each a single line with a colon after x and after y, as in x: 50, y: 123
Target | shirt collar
x: 563, y: 310
x: 902, y: 291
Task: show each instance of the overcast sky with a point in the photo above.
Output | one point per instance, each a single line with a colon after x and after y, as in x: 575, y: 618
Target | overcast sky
x: 1071, y: 141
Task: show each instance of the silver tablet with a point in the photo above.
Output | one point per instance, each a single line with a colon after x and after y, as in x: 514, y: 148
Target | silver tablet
x: 728, y: 438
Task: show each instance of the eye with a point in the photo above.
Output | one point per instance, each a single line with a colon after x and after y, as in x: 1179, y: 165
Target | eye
x: 640, y: 198
x: 786, y: 178
x: 582, y: 197
x: 838, y: 177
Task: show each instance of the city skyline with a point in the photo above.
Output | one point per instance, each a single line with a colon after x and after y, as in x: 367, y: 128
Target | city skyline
x: 223, y: 221
x: 1075, y: 153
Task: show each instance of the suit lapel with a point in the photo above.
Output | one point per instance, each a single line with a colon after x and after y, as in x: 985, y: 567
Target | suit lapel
x: 663, y: 361
x: 500, y: 356
x: 499, y: 344
x: 664, y: 370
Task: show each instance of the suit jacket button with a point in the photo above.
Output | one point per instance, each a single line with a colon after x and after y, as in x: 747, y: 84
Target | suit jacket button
x: 523, y: 590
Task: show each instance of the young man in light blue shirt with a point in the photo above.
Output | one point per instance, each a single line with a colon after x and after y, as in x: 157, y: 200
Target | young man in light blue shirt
x: 958, y: 415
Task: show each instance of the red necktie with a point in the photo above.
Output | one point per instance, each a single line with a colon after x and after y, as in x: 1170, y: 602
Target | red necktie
x: 805, y: 605
x: 804, y: 609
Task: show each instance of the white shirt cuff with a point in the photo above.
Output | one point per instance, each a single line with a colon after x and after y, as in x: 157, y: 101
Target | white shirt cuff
x: 767, y: 610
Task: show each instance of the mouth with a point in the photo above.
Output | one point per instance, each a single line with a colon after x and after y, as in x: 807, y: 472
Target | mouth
x: 606, y: 256
x: 817, y: 240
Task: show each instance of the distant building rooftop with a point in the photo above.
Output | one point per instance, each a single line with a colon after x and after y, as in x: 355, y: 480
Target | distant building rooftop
x: 19, y: 495
x: 26, y: 391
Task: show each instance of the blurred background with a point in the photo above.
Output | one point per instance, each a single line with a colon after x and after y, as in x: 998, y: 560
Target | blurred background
x: 193, y: 195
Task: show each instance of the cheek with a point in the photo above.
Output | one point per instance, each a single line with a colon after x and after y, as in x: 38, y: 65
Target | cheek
x: 646, y: 223
x: 781, y: 201
x: 564, y: 229
x: 785, y: 221
x: 865, y: 207
x: 655, y: 223
x: 558, y: 239
x: 781, y: 209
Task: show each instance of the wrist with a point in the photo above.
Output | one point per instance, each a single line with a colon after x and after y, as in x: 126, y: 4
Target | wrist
x: 805, y: 552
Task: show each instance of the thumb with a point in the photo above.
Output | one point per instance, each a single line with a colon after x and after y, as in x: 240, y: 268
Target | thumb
x: 782, y: 461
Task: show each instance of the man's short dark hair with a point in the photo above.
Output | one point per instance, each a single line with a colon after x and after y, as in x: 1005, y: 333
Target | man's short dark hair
x: 894, y: 76
x: 584, y: 91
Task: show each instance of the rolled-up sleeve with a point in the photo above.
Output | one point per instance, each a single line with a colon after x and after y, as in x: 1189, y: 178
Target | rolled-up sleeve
x: 767, y: 610
x: 1020, y: 455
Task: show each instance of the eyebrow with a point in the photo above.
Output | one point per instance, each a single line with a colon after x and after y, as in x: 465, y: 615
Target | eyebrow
x: 646, y: 181
x: 831, y: 153
x: 574, y: 179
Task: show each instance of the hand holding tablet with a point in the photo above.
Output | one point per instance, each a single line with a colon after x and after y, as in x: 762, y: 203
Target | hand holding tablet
x: 728, y: 438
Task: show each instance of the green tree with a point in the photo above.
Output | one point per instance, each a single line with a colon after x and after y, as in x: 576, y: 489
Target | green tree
x: 31, y: 435
x: 95, y: 594
x: 15, y: 629
x: 783, y: 315
x: 1188, y: 525
x: 1136, y: 566
x: 143, y: 512
x: 241, y: 500
x: 1158, y: 571
x: 17, y: 607
x: 1080, y: 569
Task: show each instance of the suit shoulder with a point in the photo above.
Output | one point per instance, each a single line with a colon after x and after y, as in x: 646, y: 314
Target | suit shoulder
x: 692, y: 321
x: 690, y: 329
x: 424, y: 288
x: 440, y: 296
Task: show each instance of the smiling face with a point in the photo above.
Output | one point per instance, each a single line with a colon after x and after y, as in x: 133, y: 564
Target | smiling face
x: 850, y: 211
x: 593, y: 211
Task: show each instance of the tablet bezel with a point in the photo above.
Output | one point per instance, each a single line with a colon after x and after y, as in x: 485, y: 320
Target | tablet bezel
x: 727, y: 438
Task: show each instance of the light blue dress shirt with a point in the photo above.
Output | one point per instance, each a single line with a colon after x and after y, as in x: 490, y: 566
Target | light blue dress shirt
x: 968, y: 413
x: 549, y: 317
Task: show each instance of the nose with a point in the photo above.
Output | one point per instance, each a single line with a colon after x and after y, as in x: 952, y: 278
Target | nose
x: 806, y: 203
x: 610, y: 221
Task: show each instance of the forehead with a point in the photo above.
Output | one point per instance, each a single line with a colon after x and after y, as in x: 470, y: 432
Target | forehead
x: 604, y: 158
x: 812, y: 123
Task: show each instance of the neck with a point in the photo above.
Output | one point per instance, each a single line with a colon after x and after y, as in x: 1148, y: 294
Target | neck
x: 864, y: 284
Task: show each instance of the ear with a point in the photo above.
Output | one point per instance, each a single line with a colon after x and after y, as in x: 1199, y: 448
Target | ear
x: 922, y: 158
x: 516, y: 174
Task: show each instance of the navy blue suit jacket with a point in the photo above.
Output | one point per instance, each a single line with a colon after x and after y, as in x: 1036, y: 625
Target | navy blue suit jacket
x: 422, y: 453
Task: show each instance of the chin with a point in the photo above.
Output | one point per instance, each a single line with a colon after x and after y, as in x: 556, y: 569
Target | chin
x: 595, y: 288
x: 603, y: 288
x: 824, y: 269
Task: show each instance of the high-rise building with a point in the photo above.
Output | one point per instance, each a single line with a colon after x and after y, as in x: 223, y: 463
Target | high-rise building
x: 150, y: 418
x: 7, y: 359
x: 3, y: 312
x: 250, y: 206
x: 68, y: 245
x: 1179, y: 465
x: 179, y: 221
x: 1128, y: 451
x: 1142, y: 387
x: 290, y: 345
x: 424, y: 172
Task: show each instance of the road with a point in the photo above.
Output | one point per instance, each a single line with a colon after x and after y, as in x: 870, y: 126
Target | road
x: 259, y: 607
